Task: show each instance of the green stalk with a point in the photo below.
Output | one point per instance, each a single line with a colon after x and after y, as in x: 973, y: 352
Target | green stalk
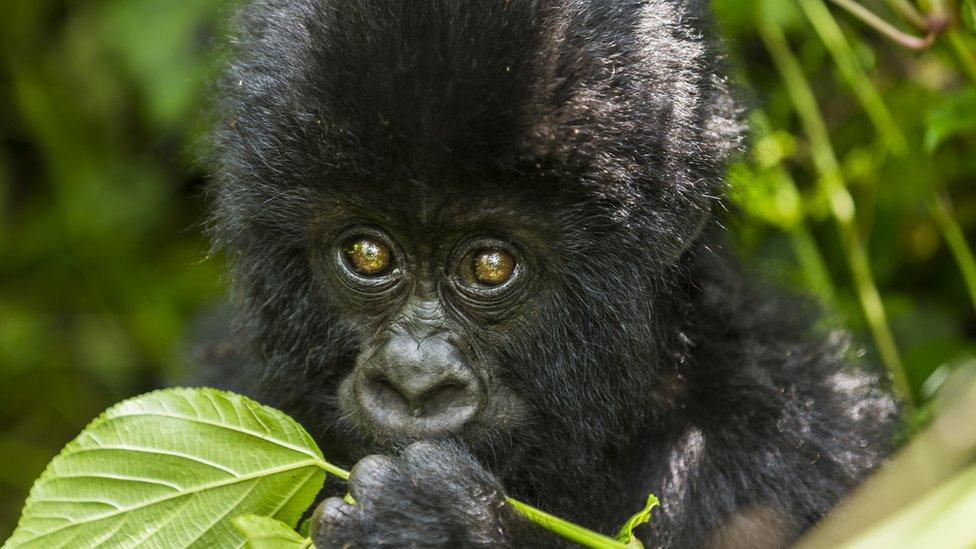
x: 564, y: 528
x: 841, y: 203
x: 956, y: 239
x: 965, y: 56
x: 811, y: 262
x: 909, y: 13
x: 850, y: 68
x: 893, y: 33
x: 333, y: 469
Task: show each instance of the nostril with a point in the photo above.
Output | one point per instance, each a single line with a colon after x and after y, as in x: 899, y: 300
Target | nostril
x: 420, y: 401
x: 418, y: 405
x: 450, y: 394
x: 381, y: 385
x: 386, y: 394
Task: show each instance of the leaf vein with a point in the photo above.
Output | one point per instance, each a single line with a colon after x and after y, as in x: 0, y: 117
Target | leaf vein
x: 111, y: 476
x: 147, y: 450
x: 228, y: 427
x: 257, y: 475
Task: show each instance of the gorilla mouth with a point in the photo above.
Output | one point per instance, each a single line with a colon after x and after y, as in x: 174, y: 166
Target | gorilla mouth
x: 478, y: 424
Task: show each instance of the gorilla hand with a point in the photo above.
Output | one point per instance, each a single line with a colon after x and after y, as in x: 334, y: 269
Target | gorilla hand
x: 434, y: 494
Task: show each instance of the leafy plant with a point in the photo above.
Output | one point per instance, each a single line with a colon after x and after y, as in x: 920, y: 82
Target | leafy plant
x: 170, y: 469
x: 198, y: 467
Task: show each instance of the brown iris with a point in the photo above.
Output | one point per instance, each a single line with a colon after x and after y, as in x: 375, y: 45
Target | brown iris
x: 369, y: 257
x: 492, y: 267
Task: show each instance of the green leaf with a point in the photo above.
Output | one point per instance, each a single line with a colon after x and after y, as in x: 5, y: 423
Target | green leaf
x: 268, y: 533
x: 170, y: 469
x: 305, y: 526
x: 968, y: 12
x: 626, y: 534
x: 768, y: 195
x: 956, y: 115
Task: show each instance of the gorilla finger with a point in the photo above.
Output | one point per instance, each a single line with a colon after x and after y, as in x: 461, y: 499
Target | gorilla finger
x: 425, y: 451
x: 442, y: 458
x: 332, y: 521
x: 371, y: 475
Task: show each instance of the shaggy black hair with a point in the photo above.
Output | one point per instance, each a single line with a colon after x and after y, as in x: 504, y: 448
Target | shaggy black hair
x: 650, y: 363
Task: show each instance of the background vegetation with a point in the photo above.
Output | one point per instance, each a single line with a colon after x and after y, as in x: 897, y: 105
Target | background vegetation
x: 858, y: 187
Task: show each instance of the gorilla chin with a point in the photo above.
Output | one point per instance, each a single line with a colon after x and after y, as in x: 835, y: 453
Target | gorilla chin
x: 480, y: 238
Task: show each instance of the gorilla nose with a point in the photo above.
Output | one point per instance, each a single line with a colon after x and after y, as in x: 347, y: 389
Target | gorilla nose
x: 419, y: 398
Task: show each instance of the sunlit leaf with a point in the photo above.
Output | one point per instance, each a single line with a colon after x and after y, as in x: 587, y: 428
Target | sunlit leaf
x: 171, y: 469
x: 268, y: 533
x: 765, y: 194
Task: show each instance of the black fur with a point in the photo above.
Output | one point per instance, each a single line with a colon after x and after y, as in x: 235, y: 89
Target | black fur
x: 595, y: 133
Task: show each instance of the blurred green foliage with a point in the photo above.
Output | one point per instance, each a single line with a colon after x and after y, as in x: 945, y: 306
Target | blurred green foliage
x: 858, y: 187
x: 102, y: 261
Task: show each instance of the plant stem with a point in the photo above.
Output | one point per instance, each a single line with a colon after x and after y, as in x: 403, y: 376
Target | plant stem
x: 895, y: 34
x: 564, y: 528
x: 909, y: 13
x: 850, y: 68
x: 956, y: 239
x: 841, y: 203
x: 333, y: 470
x: 965, y: 57
x: 812, y: 262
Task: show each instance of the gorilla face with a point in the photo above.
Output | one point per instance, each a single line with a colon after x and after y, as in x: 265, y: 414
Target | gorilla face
x: 463, y: 222
x: 471, y: 311
x: 433, y: 298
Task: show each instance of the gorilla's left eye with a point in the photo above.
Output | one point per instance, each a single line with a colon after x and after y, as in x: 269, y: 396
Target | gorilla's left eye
x: 369, y: 257
x: 489, y: 267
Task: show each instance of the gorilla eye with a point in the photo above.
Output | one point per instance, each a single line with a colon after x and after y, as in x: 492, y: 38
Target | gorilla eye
x: 492, y: 267
x: 369, y: 257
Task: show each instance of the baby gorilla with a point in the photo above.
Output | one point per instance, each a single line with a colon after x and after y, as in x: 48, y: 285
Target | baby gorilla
x: 477, y: 241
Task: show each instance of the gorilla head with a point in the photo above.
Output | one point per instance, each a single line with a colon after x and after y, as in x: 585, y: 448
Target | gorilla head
x: 483, y: 221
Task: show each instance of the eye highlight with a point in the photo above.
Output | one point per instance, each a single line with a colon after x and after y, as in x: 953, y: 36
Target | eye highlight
x: 368, y: 256
x: 492, y: 267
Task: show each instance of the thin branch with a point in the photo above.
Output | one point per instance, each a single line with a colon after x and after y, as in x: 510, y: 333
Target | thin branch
x: 910, y: 13
x: 854, y: 75
x: 895, y: 34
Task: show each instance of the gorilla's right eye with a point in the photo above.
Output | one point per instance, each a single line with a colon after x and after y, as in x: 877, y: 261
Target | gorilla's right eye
x: 368, y: 256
